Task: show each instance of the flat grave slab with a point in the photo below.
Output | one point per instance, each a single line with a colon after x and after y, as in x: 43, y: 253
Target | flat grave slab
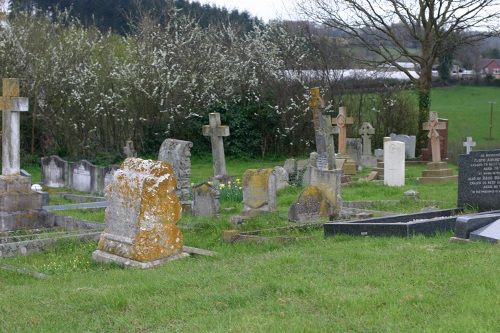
x: 426, y: 223
x: 489, y: 233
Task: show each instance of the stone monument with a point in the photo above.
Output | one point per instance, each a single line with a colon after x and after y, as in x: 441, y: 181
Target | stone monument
x: 83, y: 176
x: 54, y: 172
x: 20, y: 207
x: 178, y: 154
x: 205, y: 201
x: 410, y: 142
x: 367, y: 131
x: 141, y: 218
x: 468, y: 144
x: 129, y: 149
x: 437, y: 171
x: 216, y: 132
x: 342, y: 120
x: 394, y: 163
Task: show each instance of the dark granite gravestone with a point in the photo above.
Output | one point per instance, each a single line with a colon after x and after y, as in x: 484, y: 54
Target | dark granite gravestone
x: 468, y: 223
x: 479, y: 180
x: 489, y: 233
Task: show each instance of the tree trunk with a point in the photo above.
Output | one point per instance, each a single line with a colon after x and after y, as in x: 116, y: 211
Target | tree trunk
x: 424, y: 106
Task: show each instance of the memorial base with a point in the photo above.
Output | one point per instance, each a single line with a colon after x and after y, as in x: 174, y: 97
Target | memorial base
x: 107, y: 258
x: 30, y: 219
x: 348, y: 165
x: 437, y: 172
x: 217, y: 180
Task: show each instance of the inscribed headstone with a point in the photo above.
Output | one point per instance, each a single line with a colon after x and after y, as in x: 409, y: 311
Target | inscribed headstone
x: 178, y: 154
x: 259, y: 191
x: 105, y: 176
x: 479, y: 180
x: 83, y: 176
x: 54, y: 172
x: 394, y: 163
x: 205, y: 201
x: 141, y: 217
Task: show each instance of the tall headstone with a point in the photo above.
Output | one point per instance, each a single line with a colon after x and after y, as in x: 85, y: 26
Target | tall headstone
x: 394, y: 163
x: 367, y: 131
x: 479, y: 180
x: 216, y: 132
x: 20, y: 207
x: 437, y: 170
x: 205, y: 201
x: 178, y: 154
x: 83, y: 176
x: 438, y: 128
x: 468, y: 144
x: 410, y: 142
x: 54, y: 172
x: 342, y: 120
x: 141, y: 218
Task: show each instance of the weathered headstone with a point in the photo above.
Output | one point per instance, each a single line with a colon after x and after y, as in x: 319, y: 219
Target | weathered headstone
x: 205, y: 201
x: 366, y: 131
x: 355, y: 150
x: 83, y: 176
x: 105, y: 176
x: 141, y: 218
x: 216, y: 132
x: 298, y: 171
x: 54, y: 172
x: 394, y: 163
x: 468, y: 144
x: 410, y: 142
x: 312, y: 205
x: 259, y: 192
x: 479, y: 180
x: 323, y: 131
x: 129, y: 149
x: 342, y: 120
x: 281, y: 177
x: 178, y: 154
x: 20, y: 207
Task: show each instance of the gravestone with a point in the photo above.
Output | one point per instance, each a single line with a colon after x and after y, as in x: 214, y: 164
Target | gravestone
x: 129, y: 149
x: 394, y: 163
x: 410, y: 142
x: 355, y: 150
x: 442, y: 130
x: 468, y: 144
x: 479, y: 180
x: 312, y: 205
x: 83, y: 176
x: 178, y: 154
x: 141, y: 218
x: 342, y: 120
x: 367, y: 159
x: 259, y: 192
x: 54, y: 172
x: 380, y: 161
x: 437, y: 171
x: 105, y: 176
x: 298, y: 171
x: 281, y: 177
x: 323, y: 131
x: 216, y: 132
x: 20, y: 207
x: 205, y: 201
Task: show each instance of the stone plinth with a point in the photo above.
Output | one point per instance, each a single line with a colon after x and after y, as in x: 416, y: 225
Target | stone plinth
x: 437, y: 172
x: 141, y: 218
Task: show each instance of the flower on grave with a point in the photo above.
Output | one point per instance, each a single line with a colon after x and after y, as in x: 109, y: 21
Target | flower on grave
x: 221, y: 186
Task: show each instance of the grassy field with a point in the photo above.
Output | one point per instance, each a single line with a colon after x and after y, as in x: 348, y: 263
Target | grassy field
x: 318, y: 284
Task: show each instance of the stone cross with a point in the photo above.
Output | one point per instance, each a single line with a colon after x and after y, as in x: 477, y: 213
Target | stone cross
x: 469, y: 144
x: 129, y: 150
x: 366, y: 131
x: 432, y: 126
x: 323, y: 131
x: 11, y: 104
x: 342, y: 121
x: 216, y: 131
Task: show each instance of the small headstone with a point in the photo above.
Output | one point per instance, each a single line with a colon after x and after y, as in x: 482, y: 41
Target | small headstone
x: 83, y: 176
x: 178, y: 154
x: 105, y: 176
x: 394, y: 163
x: 312, y: 205
x: 281, y: 177
x: 410, y: 142
x: 259, y: 192
x: 141, y: 218
x: 479, y: 180
x: 129, y: 149
x: 54, y: 172
x: 468, y: 144
x: 205, y: 201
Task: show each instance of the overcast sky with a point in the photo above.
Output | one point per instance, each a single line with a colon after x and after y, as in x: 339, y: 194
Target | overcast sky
x: 263, y: 9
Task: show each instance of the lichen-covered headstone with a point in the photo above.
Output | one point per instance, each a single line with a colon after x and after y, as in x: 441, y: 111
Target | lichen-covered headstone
x: 259, y: 192
x: 312, y: 205
x: 141, y: 218
x: 205, y: 201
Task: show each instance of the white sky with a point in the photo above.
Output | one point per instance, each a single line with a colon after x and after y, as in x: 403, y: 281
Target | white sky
x: 263, y: 9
